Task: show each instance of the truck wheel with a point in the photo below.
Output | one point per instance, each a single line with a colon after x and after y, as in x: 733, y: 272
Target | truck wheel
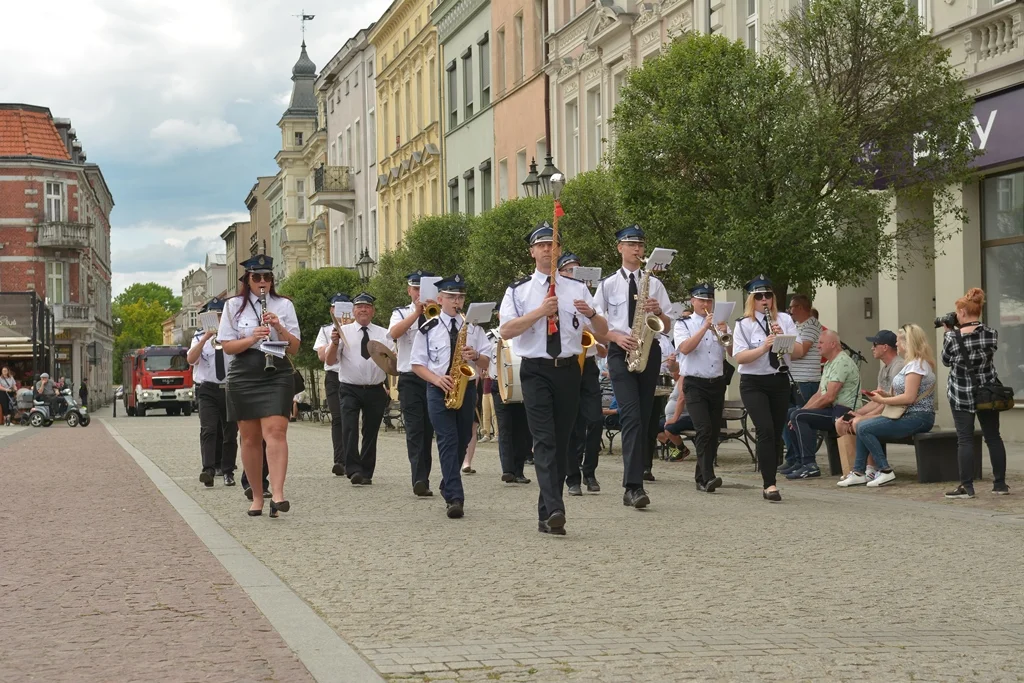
x: 130, y: 411
x: 172, y: 411
x: 140, y: 411
x: 187, y: 411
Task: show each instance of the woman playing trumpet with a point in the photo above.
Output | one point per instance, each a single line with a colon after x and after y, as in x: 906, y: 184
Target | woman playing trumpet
x: 260, y: 401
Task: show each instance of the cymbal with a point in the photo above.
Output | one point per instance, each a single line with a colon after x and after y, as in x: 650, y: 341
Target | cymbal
x: 384, y: 357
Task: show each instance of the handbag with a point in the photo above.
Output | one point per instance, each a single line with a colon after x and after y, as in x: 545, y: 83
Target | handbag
x: 297, y: 378
x: 992, y: 396
x: 896, y: 412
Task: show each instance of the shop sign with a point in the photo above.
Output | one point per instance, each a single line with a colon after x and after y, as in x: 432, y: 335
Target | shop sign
x: 15, y: 316
x: 997, y: 129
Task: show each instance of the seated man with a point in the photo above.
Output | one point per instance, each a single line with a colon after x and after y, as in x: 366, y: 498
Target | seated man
x: 837, y: 394
x: 46, y: 391
x: 676, y: 420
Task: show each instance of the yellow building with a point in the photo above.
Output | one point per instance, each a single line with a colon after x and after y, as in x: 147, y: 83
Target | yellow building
x: 408, y: 118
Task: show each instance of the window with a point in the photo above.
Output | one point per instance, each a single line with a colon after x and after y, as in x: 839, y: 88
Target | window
x: 486, y: 189
x: 470, y: 192
x: 1002, y: 250
x: 55, y: 281
x: 398, y: 220
x: 519, y: 65
x: 453, y: 195
x: 394, y: 50
x: 752, y: 42
x: 405, y: 37
x: 572, y: 137
x: 332, y: 158
x: 54, y: 201
x: 542, y: 153
x: 408, y: 112
x: 355, y: 78
x: 595, y: 128
x: 502, y: 180
x: 373, y: 225
x: 485, y: 72
x: 433, y: 89
x: 568, y: 10
x: 408, y: 210
x: 369, y: 69
x: 300, y: 201
x: 348, y: 147
x: 384, y: 131
x: 453, y: 96
x: 538, y: 32
x: 500, y: 46
x: 298, y: 139
x: 357, y: 140
x: 387, y: 226
x: 421, y: 200
x: 346, y: 87
x: 419, y: 24
x: 419, y: 101
x: 468, y: 87
x: 371, y: 136
x: 521, y: 172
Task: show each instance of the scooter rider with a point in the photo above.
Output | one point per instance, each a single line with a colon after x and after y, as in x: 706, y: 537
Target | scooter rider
x: 46, y: 391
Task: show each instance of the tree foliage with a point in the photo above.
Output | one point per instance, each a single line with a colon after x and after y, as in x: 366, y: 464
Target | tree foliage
x: 149, y: 291
x: 140, y: 323
x: 310, y: 292
x: 498, y: 253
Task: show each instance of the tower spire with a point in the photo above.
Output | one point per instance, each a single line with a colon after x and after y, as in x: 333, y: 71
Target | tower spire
x: 303, y: 18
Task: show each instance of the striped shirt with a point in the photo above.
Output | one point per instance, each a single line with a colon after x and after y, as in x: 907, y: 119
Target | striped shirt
x: 808, y: 368
x: 967, y: 369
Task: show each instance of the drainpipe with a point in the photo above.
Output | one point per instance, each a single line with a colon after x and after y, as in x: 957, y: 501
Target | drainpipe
x: 547, y: 82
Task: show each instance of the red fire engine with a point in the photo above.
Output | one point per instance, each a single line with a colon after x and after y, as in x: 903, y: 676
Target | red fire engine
x: 157, y: 377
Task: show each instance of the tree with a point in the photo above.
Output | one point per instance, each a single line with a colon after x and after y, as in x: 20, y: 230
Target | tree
x: 149, y: 291
x: 498, y: 253
x: 310, y: 292
x: 140, y: 324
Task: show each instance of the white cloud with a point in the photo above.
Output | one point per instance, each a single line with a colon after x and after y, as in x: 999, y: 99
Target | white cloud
x: 176, y: 135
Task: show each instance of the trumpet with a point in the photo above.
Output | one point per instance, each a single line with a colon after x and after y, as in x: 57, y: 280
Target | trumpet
x: 431, y: 310
x: 268, y: 358
x: 724, y: 338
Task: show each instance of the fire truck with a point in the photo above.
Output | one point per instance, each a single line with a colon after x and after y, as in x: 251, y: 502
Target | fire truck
x: 157, y: 377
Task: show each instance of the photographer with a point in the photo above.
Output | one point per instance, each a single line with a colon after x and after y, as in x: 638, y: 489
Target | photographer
x: 967, y: 351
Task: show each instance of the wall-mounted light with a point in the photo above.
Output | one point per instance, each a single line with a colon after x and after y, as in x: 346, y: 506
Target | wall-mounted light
x: 868, y: 308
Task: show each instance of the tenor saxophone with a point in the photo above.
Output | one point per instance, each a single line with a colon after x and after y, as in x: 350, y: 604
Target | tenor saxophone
x: 646, y: 328
x: 461, y: 373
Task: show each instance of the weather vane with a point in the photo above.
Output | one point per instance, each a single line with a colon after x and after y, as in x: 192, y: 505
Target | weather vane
x: 303, y: 18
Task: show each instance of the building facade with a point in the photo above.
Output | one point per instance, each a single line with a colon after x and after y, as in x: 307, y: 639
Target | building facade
x: 193, y: 296
x: 409, y: 127
x: 55, y: 236
x: 274, y: 199
x: 256, y: 239
x: 347, y: 184
x: 464, y: 37
x: 236, y: 249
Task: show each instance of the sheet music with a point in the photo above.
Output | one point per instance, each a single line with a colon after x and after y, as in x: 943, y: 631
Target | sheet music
x: 660, y: 258
x: 723, y: 311
x: 587, y: 274
x: 428, y: 288
x: 343, y: 309
x: 479, y: 313
x: 208, y: 321
x: 784, y: 343
x: 676, y: 310
x: 274, y: 348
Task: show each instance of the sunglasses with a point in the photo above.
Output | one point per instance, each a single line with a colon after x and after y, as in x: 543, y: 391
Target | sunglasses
x: 262, y: 277
x: 761, y: 296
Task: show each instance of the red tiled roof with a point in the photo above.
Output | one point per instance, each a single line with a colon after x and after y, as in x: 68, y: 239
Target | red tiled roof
x: 30, y: 133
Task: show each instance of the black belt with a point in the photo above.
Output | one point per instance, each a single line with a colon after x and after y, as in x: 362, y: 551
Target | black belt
x: 363, y: 386
x: 702, y: 380
x: 553, y: 362
x: 410, y: 374
x: 219, y: 385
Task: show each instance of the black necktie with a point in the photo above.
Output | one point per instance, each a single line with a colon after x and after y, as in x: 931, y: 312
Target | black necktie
x: 364, y: 346
x: 632, y: 300
x: 452, y: 338
x: 218, y: 363
x: 773, y: 358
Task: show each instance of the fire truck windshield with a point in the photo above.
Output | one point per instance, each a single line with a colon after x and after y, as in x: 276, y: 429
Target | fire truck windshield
x: 161, y: 363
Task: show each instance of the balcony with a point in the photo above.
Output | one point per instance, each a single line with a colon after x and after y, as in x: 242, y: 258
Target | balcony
x: 987, y: 43
x: 72, y: 315
x: 334, y: 188
x: 63, y: 235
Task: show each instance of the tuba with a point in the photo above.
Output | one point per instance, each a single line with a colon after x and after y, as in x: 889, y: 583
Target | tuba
x: 646, y: 328
x: 461, y: 373
x: 587, y: 341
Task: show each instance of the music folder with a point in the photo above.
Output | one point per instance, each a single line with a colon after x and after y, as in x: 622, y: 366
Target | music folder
x: 479, y: 313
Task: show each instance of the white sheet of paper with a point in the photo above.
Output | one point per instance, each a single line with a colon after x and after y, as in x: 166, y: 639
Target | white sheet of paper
x: 274, y: 348
x: 587, y: 274
x: 784, y: 343
x: 723, y: 311
x: 343, y: 309
x: 661, y: 257
x: 676, y: 310
x: 428, y: 288
x: 479, y: 313
x: 208, y: 321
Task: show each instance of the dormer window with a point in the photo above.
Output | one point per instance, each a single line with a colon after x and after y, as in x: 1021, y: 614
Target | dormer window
x: 298, y: 139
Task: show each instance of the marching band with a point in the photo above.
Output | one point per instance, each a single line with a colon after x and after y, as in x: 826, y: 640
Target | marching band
x: 542, y: 358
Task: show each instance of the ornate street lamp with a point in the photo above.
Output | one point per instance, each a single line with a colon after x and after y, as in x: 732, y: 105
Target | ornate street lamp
x: 532, y: 182
x: 365, y: 265
x: 545, y: 176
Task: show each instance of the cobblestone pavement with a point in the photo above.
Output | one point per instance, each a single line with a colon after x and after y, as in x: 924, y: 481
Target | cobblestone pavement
x: 101, y: 580
x: 830, y: 585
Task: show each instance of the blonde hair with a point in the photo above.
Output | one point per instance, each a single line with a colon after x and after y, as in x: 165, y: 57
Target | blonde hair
x: 972, y: 301
x: 916, y: 346
x: 748, y: 307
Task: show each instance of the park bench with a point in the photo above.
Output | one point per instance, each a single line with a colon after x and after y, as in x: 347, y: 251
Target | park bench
x: 935, y: 451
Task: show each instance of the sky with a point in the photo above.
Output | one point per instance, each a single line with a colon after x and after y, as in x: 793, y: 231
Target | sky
x: 177, y: 101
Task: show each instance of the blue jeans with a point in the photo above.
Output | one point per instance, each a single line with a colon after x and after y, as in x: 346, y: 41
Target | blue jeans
x: 807, y: 389
x: 453, y: 429
x: 871, y: 433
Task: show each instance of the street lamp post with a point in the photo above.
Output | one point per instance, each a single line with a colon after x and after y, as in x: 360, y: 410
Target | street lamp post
x: 364, y: 266
x: 532, y: 182
x: 545, y: 176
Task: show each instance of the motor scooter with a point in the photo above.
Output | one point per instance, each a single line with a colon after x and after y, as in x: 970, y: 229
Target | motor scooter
x: 72, y: 412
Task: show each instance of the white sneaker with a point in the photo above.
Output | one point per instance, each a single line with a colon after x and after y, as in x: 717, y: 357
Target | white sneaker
x: 871, y: 473
x: 852, y: 479
x: 882, y: 478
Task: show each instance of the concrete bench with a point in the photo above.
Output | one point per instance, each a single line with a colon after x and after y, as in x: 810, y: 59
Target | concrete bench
x: 935, y: 452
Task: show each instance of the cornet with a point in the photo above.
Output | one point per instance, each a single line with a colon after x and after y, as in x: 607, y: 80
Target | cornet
x: 724, y: 338
x: 431, y: 310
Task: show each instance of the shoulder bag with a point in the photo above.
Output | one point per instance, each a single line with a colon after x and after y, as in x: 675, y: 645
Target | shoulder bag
x: 896, y: 412
x: 992, y: 396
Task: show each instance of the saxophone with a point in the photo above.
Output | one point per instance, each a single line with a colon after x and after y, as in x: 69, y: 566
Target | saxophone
x: 461, y: 373
x: 646, y: 327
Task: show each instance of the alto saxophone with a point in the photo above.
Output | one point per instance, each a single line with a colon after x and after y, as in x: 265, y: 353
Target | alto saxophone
x: 646, y: 327
x: 461, y: 373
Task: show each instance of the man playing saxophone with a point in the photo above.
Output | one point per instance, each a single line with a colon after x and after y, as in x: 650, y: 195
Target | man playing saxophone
x: 618, y: 298
x: 550, y: 371
x: 440, y: 351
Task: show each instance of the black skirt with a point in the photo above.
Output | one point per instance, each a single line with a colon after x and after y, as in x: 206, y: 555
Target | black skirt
x: 252, y: 392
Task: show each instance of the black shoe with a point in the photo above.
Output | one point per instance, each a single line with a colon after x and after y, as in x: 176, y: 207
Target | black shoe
x: 218, y: 472
x: 636, y: 498
x: 283, y: 506
x: 229, y: 479
x: 575, y: 490
x: 701, y: 487
x: 555, y: 524
x: 338, y: 469
x: 254, y: 513
x: 455, y: 509
x: 356, y: 479
x: 248, y: 492
x: 960, y: 492
x: 367, y: 482
x: 520, y: 479
x: 772, y: 496
x: 421, y: 488
x: 508, y: 477
x: 713, y: 484
x: 649, y: 476
x: 1001, y: 489
x: 592, y: 484
x: 206, y: 477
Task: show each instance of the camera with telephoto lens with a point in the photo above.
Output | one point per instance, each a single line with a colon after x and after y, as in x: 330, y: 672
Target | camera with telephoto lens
x: 949, y: 320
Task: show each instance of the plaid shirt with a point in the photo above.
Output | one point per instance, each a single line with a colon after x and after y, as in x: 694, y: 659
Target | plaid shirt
x: 963, y: 371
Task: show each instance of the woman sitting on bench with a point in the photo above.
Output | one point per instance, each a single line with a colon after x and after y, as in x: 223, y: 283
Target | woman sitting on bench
x: 913, y: 390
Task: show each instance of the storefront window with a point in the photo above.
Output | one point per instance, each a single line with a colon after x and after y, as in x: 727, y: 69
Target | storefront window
x: 1003, y: 261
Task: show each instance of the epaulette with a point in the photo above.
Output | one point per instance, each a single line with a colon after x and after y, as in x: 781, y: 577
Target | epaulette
x: 522, y: 281
x: 429, y: 325
x: 399, y: 308
x: 614, y: 272
x: 569, y: 277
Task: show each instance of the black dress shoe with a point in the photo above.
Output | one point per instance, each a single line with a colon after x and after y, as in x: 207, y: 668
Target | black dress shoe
x: 575, y: 490
x: 254, y: 513
x: 701, y: 487
x: 520, y: 479
x: 636, y: 498
x: 206, y: 477
x: 648, y: 475
x: 713, y: 484
x: 421, y: 488
x: 338, y: 469
x: 592, y: 485
x: 508, y: 477
x: 356, y: 479
x: 773, y: 496
x: 367, y: 482
x: 229, y: 479
x: 283, y: 506
x: 455, y: 509
x: 248, y: 492
x: 218, y: 472
x: 555, y: 524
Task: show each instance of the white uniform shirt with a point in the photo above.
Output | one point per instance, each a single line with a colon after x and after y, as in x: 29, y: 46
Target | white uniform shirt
x: 522, y: 298
x: 749, y: 335
x: 353, y: 368
x: 707, y: 359
x: 406, y: 340
x: 611, y: 299
x: 323, y: 340
x: 432, y: 347
x: 205, y: 368
x: 248, y: 319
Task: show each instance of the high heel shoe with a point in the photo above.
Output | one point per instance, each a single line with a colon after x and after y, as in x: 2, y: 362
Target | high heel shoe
x: 282, y: 506
x: 255, y: 513
x: 773, y: 496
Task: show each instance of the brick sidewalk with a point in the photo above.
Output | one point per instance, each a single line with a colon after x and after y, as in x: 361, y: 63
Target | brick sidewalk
x: 101, y: 580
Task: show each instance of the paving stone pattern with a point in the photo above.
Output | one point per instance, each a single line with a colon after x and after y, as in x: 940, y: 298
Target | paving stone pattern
x: 101, y: 580
x: 829, y: 585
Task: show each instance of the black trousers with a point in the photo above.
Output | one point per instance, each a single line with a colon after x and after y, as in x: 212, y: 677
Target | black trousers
x: 551, y: 396
x: 766, y: 398
x: 370, y: 400
x: 419, y: 433
x: 331, y: 384
x: 653, y: 427
x: 586, y: 437
x: 266, y: 473
x: 218, y: 438
x: 515, y: 445
x: 634, y: 392
x: 705, y: 401
x: 989, y: 421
